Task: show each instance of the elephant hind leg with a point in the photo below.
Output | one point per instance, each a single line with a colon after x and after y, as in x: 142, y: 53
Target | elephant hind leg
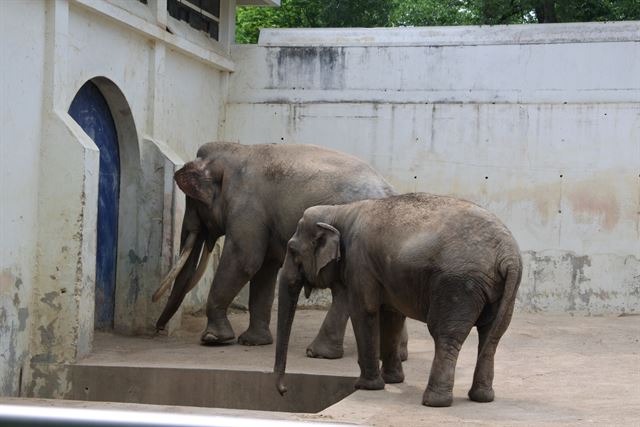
x: 482, y: 387
x: 261, y: 292
x: 453, y: 312
x: 391, y: 334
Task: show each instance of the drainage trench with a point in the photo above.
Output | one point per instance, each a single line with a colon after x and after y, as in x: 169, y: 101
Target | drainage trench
x: 231, y: 389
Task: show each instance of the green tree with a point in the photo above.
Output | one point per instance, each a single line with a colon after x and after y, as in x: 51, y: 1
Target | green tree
x: 550, y: 11
x: 423, y: 13
x: 311, y: 13
x: 394, y: 13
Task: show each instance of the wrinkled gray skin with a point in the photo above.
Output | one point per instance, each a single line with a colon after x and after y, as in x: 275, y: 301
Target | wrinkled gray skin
x: 440, y: 260
x: 254, y: 195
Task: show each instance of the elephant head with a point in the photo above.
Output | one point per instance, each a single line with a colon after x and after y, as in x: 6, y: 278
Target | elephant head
x: 203, y: 224
x: 311, y: 261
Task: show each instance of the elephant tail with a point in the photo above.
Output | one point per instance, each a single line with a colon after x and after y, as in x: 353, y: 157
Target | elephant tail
x: 511, y: 271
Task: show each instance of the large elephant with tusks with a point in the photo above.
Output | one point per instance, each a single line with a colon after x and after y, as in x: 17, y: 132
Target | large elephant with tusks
x: 254, y: 195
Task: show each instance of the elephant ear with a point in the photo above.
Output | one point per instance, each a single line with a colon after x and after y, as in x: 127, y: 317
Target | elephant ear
x: 327, y: 245
x: 199, y: 180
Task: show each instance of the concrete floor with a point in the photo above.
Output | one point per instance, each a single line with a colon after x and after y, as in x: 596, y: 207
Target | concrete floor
x: 550, y: 370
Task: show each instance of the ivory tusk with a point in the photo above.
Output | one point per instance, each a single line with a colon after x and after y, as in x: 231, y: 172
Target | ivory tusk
x: 202, y: 267
x: 173, y: 273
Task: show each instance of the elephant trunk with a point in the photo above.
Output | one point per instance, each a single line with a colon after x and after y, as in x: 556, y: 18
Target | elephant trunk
x: 287, y: 303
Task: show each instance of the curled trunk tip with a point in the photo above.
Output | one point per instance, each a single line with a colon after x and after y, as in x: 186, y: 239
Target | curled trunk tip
x: 282, y: 389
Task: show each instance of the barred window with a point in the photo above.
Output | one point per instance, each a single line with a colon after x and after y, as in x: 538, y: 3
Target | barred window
x: 203, y: 15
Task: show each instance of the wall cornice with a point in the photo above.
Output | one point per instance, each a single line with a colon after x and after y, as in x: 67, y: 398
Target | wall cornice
x: 591, y: 32
x: 206, y: 55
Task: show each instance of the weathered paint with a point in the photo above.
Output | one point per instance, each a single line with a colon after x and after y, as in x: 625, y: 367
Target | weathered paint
x: 14, y: 315
x: 590, y: 284
x: 20, y: 134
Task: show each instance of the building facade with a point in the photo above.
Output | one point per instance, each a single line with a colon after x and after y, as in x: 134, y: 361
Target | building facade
x: 157, y: 73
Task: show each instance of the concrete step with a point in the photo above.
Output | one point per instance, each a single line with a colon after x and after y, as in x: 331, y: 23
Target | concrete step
x: 219, y: 388
x: 176, y: 370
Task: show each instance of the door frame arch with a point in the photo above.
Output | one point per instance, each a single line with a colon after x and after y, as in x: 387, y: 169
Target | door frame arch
x: 127, y: 282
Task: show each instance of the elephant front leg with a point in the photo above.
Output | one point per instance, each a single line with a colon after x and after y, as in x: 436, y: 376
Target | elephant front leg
x: 392, y: 326
x: 403, y: 350
x: 328, y: 343
x: 235, y: 269
x: 366, y: 325
x: 261, y: 294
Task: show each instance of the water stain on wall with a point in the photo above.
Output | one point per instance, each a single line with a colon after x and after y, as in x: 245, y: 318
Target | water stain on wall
x: 307, y: 68
x: 594, y: 200
x: 590, y: 201
x: 545, y: 197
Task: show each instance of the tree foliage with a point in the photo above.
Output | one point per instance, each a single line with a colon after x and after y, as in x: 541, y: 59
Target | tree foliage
x: 550, y: 11
x: 310, y: 14
x: 394, y: 13
x: 423, y: 13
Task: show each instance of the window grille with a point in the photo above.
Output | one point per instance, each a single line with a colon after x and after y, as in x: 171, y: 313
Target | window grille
x: 203, y: 15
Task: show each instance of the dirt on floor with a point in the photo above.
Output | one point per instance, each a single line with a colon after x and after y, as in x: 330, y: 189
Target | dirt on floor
x: 549, y: 370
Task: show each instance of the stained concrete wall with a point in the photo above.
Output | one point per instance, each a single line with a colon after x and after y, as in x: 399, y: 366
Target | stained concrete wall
x: 540, y: 124
x: 166, y: 91
x: 19, y: 181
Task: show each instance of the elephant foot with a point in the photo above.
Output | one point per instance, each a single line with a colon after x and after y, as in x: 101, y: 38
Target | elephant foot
x: 393, y: 376
x: 370, y: 384
x: 219, y: 333
x: 255, y: 337
x: 478, y: 394
x: 322, y: 350
x: 437, y: 399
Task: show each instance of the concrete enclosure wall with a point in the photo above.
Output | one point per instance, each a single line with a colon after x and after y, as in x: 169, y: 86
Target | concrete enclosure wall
x: 540, y: 124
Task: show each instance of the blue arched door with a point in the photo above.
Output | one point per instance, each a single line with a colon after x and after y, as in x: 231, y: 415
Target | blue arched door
x: 90, y: 110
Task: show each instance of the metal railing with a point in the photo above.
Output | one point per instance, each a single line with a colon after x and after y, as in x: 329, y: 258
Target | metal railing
x: 28, y: 415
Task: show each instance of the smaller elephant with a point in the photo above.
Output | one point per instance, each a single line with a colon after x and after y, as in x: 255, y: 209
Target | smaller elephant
x: 444, y: 261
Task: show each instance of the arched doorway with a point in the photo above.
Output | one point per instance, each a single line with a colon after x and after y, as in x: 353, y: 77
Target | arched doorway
x: 90, y: 110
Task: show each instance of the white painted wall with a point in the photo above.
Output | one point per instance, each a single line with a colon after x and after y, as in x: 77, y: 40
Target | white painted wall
x: 167, y: 92
x: 20, y: 130
x: 540, y: 124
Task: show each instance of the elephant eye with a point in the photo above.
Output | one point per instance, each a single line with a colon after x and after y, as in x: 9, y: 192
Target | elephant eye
x: 293, y: 248
x: 295, y: 255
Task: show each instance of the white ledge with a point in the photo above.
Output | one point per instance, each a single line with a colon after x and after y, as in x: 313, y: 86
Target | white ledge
x: 139, y: 25
x: 591, y: 32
